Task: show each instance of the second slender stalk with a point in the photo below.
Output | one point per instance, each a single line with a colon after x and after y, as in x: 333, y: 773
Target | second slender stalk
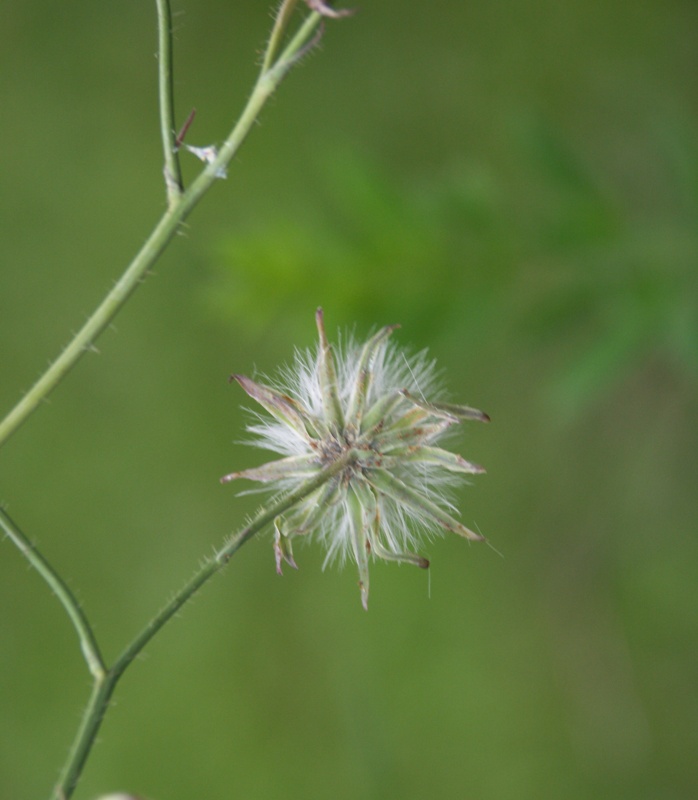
x: 105, y: 684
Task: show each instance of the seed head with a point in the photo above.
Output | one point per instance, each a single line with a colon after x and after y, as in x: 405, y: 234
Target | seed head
x: 364, y: 412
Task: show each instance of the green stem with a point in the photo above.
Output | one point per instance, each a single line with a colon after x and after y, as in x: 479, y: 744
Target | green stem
x: 173, y: 173
x: 88, y: 643
x: 92, y: 718
x: 213, y: 565
x: 100, y: 319
x: 161, y: 236
x: 298, y: 45
x: 105, y: 684
x: 180, y: 205
x: 283, y: 15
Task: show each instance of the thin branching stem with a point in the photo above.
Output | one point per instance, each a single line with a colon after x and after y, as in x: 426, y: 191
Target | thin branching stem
x: 296, y: 48
x: 162, y: 235
x: 172, y: 171
x: 180, y: 204
x: 105, y: 684
x: 283, y: 15
x: 92, y: 718
x: 88, y: 643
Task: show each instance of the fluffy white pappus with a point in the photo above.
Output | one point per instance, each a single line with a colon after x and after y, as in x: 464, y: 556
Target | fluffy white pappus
x: 359, y: 439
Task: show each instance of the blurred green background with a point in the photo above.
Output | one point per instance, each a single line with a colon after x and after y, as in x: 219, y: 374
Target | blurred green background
x: 517, y: 185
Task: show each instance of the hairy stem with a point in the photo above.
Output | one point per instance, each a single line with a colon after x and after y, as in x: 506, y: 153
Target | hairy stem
x: 280, y: 24
x: 88, y: 643
x: 105, y: 683
x: 180, y: 207
x: 92, y: 718
x: 172, y: 171
x: 180, y: 204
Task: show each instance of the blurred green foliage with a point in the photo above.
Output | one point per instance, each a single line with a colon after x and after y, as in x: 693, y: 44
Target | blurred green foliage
x: 517, y: 185
x: 613, y: 290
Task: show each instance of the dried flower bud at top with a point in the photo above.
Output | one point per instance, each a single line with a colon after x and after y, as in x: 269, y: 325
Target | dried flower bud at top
x: 365, y: 411
x: 326, y: 9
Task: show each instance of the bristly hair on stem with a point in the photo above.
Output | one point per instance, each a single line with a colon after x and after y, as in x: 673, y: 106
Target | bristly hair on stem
x: 277, y: 62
